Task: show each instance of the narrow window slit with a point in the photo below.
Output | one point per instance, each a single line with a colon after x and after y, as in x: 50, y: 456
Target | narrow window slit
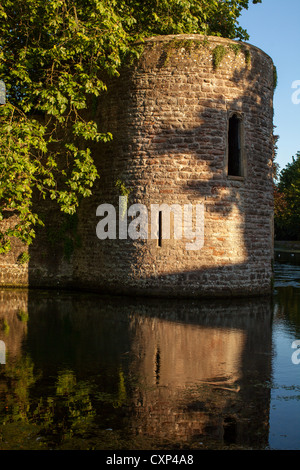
x: 157, y: 366
x: 160, y: 228
x: 234, y: 146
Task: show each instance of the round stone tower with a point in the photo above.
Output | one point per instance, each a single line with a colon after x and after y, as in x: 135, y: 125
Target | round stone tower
x: 192, y: 123
x: 184, y: 203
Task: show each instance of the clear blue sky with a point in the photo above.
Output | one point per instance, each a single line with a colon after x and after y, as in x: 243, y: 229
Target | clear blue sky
x: 274, y: 27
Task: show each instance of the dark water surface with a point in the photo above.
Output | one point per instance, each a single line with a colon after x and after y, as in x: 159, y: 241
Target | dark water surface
x: 83, y: 371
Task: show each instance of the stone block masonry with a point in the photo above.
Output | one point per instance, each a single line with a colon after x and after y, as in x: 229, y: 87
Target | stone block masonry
x: 188, y: 129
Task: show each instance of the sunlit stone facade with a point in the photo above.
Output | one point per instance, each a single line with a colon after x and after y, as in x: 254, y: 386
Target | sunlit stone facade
x: 189, y: 129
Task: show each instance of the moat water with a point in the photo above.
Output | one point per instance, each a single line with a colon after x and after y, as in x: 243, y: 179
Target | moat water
x: 83, y: 371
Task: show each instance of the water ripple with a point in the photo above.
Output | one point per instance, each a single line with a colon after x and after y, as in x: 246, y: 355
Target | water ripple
x: 287, y: 275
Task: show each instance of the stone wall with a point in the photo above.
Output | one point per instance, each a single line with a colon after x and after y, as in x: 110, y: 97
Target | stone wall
x: 169, y: 116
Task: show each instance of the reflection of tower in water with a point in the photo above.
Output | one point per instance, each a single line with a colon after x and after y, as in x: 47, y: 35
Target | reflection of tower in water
x: 13, y: 322
x: 199, y: 373
x: 13, y: 331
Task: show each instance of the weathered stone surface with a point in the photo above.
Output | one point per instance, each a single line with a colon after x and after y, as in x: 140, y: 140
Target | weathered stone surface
x: 169, y: 117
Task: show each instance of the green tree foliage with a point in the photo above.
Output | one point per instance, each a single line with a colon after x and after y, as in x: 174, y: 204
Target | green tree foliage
x: 211, y: 17
x: 53, y: 54
x: 287, y: 202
